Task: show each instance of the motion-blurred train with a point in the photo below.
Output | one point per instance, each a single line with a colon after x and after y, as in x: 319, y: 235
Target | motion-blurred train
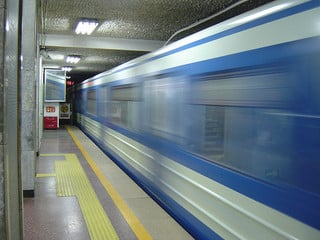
x: 222, y: 128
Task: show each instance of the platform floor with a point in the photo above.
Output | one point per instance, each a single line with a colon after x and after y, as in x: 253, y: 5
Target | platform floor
x: 81, y: 194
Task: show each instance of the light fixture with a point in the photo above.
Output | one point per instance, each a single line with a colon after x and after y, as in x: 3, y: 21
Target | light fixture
x: 66, y: 69
x: 86, y: 26
x: 73, y: 59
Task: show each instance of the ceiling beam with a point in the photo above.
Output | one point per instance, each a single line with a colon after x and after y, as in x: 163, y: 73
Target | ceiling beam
x: 77, y: 41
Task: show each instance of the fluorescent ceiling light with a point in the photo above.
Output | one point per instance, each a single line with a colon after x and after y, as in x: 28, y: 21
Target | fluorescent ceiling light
x: 52, y: 66
x: 66, y: 69
x: 86, y: 26
x: 56, y: 56
x: 73, y: 59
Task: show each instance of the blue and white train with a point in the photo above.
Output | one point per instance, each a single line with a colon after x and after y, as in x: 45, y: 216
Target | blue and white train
x: 222, y: 128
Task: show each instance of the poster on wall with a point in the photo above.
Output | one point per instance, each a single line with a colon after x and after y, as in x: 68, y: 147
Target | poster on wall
x: 65, y: 111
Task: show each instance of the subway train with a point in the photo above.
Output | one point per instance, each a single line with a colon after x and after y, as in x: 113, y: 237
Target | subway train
x: 222, y: 127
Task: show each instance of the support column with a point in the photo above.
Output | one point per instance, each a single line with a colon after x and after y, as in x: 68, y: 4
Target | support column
x: 28, y: 96
x: 2, y: 142
x: 11, y: 226
x: 40, y: 102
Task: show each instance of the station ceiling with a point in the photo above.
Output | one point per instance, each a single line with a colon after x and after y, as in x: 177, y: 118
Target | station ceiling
x: 127, y: 28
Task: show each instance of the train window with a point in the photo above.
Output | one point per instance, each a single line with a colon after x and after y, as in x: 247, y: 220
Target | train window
x: 83, y: 101
x: 243, y: 120
x: 266, y: 87
x: 80, y: 103
x: 92, y: 102
x: 166, y: 116
x: 255, y: 141
x: 207, y: 132
x: 128, y: 92
x: 103, y: 102
x: 125, y: 106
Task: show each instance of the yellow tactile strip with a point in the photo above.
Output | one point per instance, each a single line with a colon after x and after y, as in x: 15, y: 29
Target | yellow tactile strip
x: 134, y: 223
x: 71, y: 180
x: 40, y: 175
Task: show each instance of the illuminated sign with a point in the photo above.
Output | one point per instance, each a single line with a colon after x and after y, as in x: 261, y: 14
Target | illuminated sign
x: 50, y: 109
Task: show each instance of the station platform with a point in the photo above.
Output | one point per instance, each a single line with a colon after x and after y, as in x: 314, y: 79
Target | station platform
x: 81, y: 194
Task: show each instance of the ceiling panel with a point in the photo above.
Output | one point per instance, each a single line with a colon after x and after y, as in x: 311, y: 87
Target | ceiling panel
x: 125, y: 22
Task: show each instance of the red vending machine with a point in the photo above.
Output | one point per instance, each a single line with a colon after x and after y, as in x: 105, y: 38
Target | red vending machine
x: 51, y: 116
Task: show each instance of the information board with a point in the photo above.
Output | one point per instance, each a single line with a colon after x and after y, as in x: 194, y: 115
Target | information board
x: 55, y: 85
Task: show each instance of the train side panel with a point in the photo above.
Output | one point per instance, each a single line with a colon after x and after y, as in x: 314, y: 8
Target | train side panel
x: 222, y: 128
